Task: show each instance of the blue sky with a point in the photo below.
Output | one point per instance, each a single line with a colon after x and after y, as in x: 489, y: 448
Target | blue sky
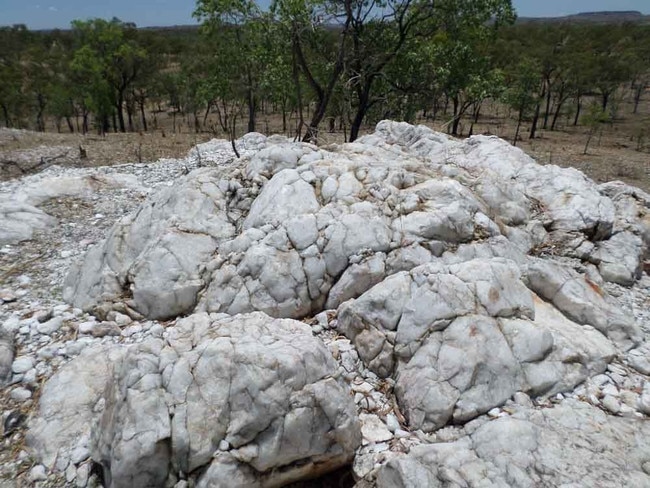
x: 40, y: 14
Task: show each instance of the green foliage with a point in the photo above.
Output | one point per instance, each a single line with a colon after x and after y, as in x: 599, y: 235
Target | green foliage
x: 107, y: 61
x: 350, y: 61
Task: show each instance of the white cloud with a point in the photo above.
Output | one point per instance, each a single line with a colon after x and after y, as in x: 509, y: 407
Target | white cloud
x: 53, y: 9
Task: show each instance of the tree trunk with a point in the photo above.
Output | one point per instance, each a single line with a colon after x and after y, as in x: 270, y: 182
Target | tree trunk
x: 207, y: 112
x: 197, y: 124
x: 521, y: 116
x: 591, y: 133
x: 323, y: 94
x: 5, y: 113
x: 605, y: 100
x: 284, y: 116
x: 578, y: 109
x: 362, y: 109
x: 538, y: 106
x: 129, y: 114
x: 251, y: 110
x: 556, y: 115
x: 69, y: 122
x: 120, y: 111
x: 142, y: 115
x: 533, y: 127
x: 456, y: 120
x: 298, y: 89
x: 40, y: 123
x: 477, y: 113
x: 548, y: 107
x: 640, y: 88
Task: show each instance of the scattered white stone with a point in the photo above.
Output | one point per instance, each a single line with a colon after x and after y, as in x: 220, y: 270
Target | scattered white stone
x: 615, y: 368
x: 21, y: 394
x: 612, y: 404
x: 8, y: 296
x: 30, y: 376
x: 641, y: 363
x: 600, y: 380
x: 122, y: 320
x: 38, y: 473
x: 617, y: 378
x: 70, y: 473
x: 12, y: 324
x: 373, y: 429
x: 83, y: 472
x: 521, y: 398
x: 494, y: 413
x: 363, y: 388
x: 401, y: 433
x: 131, y: 330
x: 43, y: 315
x: 59, y: 309
x: 22, y: 364
x: 86, y: 327
x: 392, y: 423
x: 644, y: 399
x: 610, y: 390
x: 79, y: 454
x: 23, y: 280
x: 51, y: 326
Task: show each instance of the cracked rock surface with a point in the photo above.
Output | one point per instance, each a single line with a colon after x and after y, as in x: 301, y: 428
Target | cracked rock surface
x: 574, y: 444
x: 426, y: 311
x: 230, y: 401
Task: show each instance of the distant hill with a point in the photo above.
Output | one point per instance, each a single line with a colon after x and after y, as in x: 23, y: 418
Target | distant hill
x: 610, y: 17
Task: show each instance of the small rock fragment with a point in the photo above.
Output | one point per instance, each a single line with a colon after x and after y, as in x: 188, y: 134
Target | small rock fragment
x: 373, y: 429
x: 22, y: 364
x: 612, y: 404
x: 37, y: 473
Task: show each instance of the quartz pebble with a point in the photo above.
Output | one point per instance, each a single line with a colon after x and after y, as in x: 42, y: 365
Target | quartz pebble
x: 37, y: 473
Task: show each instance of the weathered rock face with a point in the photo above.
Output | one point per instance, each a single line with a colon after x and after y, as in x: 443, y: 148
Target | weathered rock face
x: 296, y: 228
x: 69, y: 402
x: 20, y: 217
x: 463, y: 338
x: 419, y: 240
x: 572, y: 445
x: 242, y: 401
x: 19, y: 220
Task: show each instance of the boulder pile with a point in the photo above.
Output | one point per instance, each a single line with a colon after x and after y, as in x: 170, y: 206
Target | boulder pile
x: 433, y: 312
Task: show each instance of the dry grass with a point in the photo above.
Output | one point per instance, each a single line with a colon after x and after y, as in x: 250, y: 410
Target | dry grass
x: 616, y: 152
x: 27, y: 148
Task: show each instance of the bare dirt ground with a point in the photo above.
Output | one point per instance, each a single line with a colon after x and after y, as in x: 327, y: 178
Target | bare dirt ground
x: 25, y: 152
x: 618, y: 151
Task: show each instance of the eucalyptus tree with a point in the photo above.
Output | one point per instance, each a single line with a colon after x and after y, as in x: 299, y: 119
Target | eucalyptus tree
x: 239, y: 35
x: 108, y: 59
x: 521, y: 94
x: 383, y: 31
x: 13, y: 101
